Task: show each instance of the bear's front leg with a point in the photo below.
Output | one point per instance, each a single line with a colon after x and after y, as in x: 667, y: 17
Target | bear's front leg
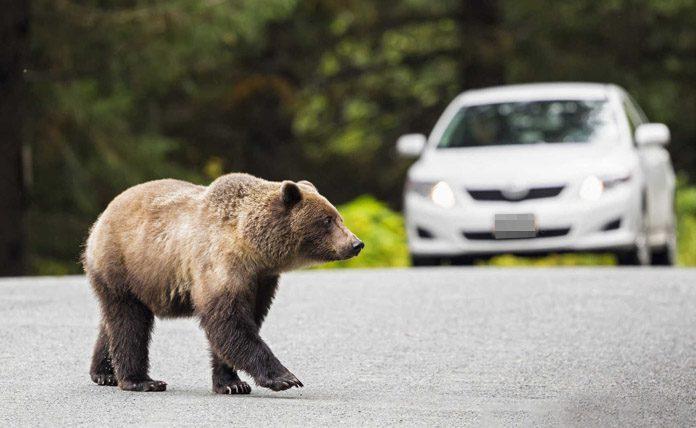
x: 228, y: 322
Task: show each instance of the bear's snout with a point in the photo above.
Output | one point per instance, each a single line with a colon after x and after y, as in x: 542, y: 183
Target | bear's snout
x: 358, y: 245
x: 352, y: 249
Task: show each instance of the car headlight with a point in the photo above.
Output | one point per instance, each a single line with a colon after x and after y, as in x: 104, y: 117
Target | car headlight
x: 442, y: 195
x: 439, y: 193
x: 593, y: 187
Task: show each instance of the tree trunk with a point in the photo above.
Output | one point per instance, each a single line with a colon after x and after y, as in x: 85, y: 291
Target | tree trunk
x: 14, y: 34
x: 482, y: 55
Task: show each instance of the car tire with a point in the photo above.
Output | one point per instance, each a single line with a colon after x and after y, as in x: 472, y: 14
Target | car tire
x: 462, y: 261
x: 423, y: 261
x: 665, y: 255
x: 628, y: 258
x: 636, y: 256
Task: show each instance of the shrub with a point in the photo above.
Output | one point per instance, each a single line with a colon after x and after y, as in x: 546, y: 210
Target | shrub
x: 686, y: 225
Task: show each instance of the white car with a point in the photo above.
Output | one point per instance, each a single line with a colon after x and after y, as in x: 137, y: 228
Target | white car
x: 540, y: 168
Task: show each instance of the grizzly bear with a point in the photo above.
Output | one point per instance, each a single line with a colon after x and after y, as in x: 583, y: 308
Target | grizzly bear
x: 171, y: 248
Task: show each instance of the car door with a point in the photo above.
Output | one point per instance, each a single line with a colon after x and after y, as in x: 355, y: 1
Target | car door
x: 659, y: 178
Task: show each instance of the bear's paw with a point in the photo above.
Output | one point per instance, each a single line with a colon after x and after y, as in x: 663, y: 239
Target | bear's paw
x: 233, y: 387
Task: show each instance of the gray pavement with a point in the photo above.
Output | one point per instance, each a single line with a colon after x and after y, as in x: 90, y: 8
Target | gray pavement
x: 447, y: 346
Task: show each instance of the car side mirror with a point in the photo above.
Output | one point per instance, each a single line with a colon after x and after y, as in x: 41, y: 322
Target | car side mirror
x: 652, y: 134
x: 410, y: 145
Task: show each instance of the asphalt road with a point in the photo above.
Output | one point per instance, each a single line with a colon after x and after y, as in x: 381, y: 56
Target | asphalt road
x: 441, y: 346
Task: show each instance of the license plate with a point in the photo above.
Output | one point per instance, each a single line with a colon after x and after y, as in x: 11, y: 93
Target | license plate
x: 514, y: 226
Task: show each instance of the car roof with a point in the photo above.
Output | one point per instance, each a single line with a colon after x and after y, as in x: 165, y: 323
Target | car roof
x: 536, y: 91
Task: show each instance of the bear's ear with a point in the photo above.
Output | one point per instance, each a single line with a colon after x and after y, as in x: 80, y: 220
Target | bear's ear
x: 290, y: 193
x: 307, y: 183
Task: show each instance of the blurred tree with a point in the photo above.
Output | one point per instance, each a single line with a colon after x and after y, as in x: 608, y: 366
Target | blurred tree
x: 482, y: 51
x: 14, y: 36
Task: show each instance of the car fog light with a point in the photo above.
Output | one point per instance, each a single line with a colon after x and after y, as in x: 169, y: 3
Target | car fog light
x: 591, y: 188
x: 442, y: 195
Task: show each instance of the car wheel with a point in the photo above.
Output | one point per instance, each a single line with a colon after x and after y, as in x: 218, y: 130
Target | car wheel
x: 628, y: 258
x: 421, y: 261
x: 667, y: 254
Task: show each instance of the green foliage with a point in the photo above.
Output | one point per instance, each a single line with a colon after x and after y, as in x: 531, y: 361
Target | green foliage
x: 380, y: 228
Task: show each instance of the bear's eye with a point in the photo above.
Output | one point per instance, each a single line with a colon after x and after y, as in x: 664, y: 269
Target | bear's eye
x: 327, y: 221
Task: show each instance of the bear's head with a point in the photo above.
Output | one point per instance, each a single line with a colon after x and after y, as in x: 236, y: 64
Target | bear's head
x: 307, y: 228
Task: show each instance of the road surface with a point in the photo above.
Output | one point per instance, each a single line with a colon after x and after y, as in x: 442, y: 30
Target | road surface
x: 440, y: 346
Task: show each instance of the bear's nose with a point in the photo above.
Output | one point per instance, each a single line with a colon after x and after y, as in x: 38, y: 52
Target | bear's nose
x: 357, y: 246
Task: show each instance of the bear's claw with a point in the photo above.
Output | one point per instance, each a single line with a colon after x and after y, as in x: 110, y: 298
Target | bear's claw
x: 235, y: 387
x: 283, y: 382
x: 104, y: 379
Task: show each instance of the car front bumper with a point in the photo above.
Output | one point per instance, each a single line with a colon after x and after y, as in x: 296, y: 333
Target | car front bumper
x: 585, y: 221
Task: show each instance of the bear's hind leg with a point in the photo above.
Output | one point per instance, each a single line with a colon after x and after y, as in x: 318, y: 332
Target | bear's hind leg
x: 101, y: 371
x: 225, y: 378
x: 129, y: 323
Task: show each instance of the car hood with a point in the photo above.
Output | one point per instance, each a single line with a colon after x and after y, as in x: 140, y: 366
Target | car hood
x: 538, y: 164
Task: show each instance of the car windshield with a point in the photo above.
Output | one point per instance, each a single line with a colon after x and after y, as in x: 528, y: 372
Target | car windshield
x: 560, y: 121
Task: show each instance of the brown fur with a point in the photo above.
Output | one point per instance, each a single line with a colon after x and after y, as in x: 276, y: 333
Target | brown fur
x: 171, y: 248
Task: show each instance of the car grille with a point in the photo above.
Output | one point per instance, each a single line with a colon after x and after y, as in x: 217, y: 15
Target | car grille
x: 499, y: 195
x: 542, y: 233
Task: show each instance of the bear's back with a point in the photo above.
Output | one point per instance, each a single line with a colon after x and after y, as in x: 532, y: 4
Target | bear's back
x: 154, y: 205
x: 139, y: 233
